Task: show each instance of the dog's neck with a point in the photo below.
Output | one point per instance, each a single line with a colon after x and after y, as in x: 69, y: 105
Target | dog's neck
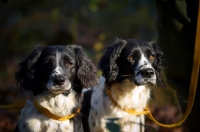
x: 130, y: 96
x: 60, y: 105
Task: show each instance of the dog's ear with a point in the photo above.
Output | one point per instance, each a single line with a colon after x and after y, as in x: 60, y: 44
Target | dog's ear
x: 158, y: 63
x: 87, y: 71
x: 108, y: 62
x: 26, y: 73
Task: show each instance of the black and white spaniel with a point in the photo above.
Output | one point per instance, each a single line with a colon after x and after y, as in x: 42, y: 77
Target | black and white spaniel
x: 129, y: 68
x: 55, y: 75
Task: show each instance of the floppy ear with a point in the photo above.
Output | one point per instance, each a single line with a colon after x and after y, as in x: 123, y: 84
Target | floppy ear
x: 87, y: 71
x: 108, y: 62
x: 158, y: 63
x: 26, y: 74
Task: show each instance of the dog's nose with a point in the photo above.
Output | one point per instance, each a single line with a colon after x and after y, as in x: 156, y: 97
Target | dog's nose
x: 58, y: 80
x: 147, y: 73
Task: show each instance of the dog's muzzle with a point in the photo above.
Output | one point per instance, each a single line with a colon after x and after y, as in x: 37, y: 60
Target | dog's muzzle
x: 147, y: 73
x: 58, y: 80
x: 145, y: 76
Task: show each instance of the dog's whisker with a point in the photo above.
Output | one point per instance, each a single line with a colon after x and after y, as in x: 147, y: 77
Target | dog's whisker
x: 75, y: 85
x: 128, y: 76
x: 45, y: 87
x: 125, y: 76
x: 44, y: 84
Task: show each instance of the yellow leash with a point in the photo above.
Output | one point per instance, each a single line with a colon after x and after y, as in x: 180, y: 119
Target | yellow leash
x: 192, y: 91
x: 50, y: 115
x: 193, y: 81
x: 130, y: 111
x: 17, y: 105
x: 44, y: 111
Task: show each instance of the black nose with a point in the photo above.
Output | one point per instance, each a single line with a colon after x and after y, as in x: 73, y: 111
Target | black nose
x: 58, y: 80
x: 147, y: 73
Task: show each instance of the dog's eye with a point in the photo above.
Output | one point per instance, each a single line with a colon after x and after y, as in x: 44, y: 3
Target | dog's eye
x: 68, y: 64
x: 131, y: 57
x: 151, y: 57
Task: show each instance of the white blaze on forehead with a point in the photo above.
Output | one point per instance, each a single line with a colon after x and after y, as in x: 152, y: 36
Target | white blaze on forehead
x: 57, y: 69
x: 143, y: 61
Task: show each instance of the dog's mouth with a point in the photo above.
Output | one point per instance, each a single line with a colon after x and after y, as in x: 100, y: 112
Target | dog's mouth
x: 139, y: 80
x: 57, y: 91
x: 59, y: 88
x: 144, y: 81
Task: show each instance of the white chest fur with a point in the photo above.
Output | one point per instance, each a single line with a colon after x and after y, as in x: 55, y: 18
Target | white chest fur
x: 33, y: 121
x: 103, y: 111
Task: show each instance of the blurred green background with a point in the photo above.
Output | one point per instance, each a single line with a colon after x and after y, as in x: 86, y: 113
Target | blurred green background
x: 93, y: 24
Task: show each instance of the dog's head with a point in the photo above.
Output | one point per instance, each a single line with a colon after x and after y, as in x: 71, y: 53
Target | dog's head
x: 139, y: 61
x: 56, y: 69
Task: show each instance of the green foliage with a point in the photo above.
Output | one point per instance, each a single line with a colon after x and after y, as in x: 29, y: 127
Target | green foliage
x: 81, y: 22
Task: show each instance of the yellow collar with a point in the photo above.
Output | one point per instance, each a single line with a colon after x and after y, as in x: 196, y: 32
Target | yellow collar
x: 50, y: 115
x: 130, y: 111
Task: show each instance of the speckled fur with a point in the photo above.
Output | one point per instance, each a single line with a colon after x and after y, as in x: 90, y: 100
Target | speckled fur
x: 103, y: 108
x: 32, y: 120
